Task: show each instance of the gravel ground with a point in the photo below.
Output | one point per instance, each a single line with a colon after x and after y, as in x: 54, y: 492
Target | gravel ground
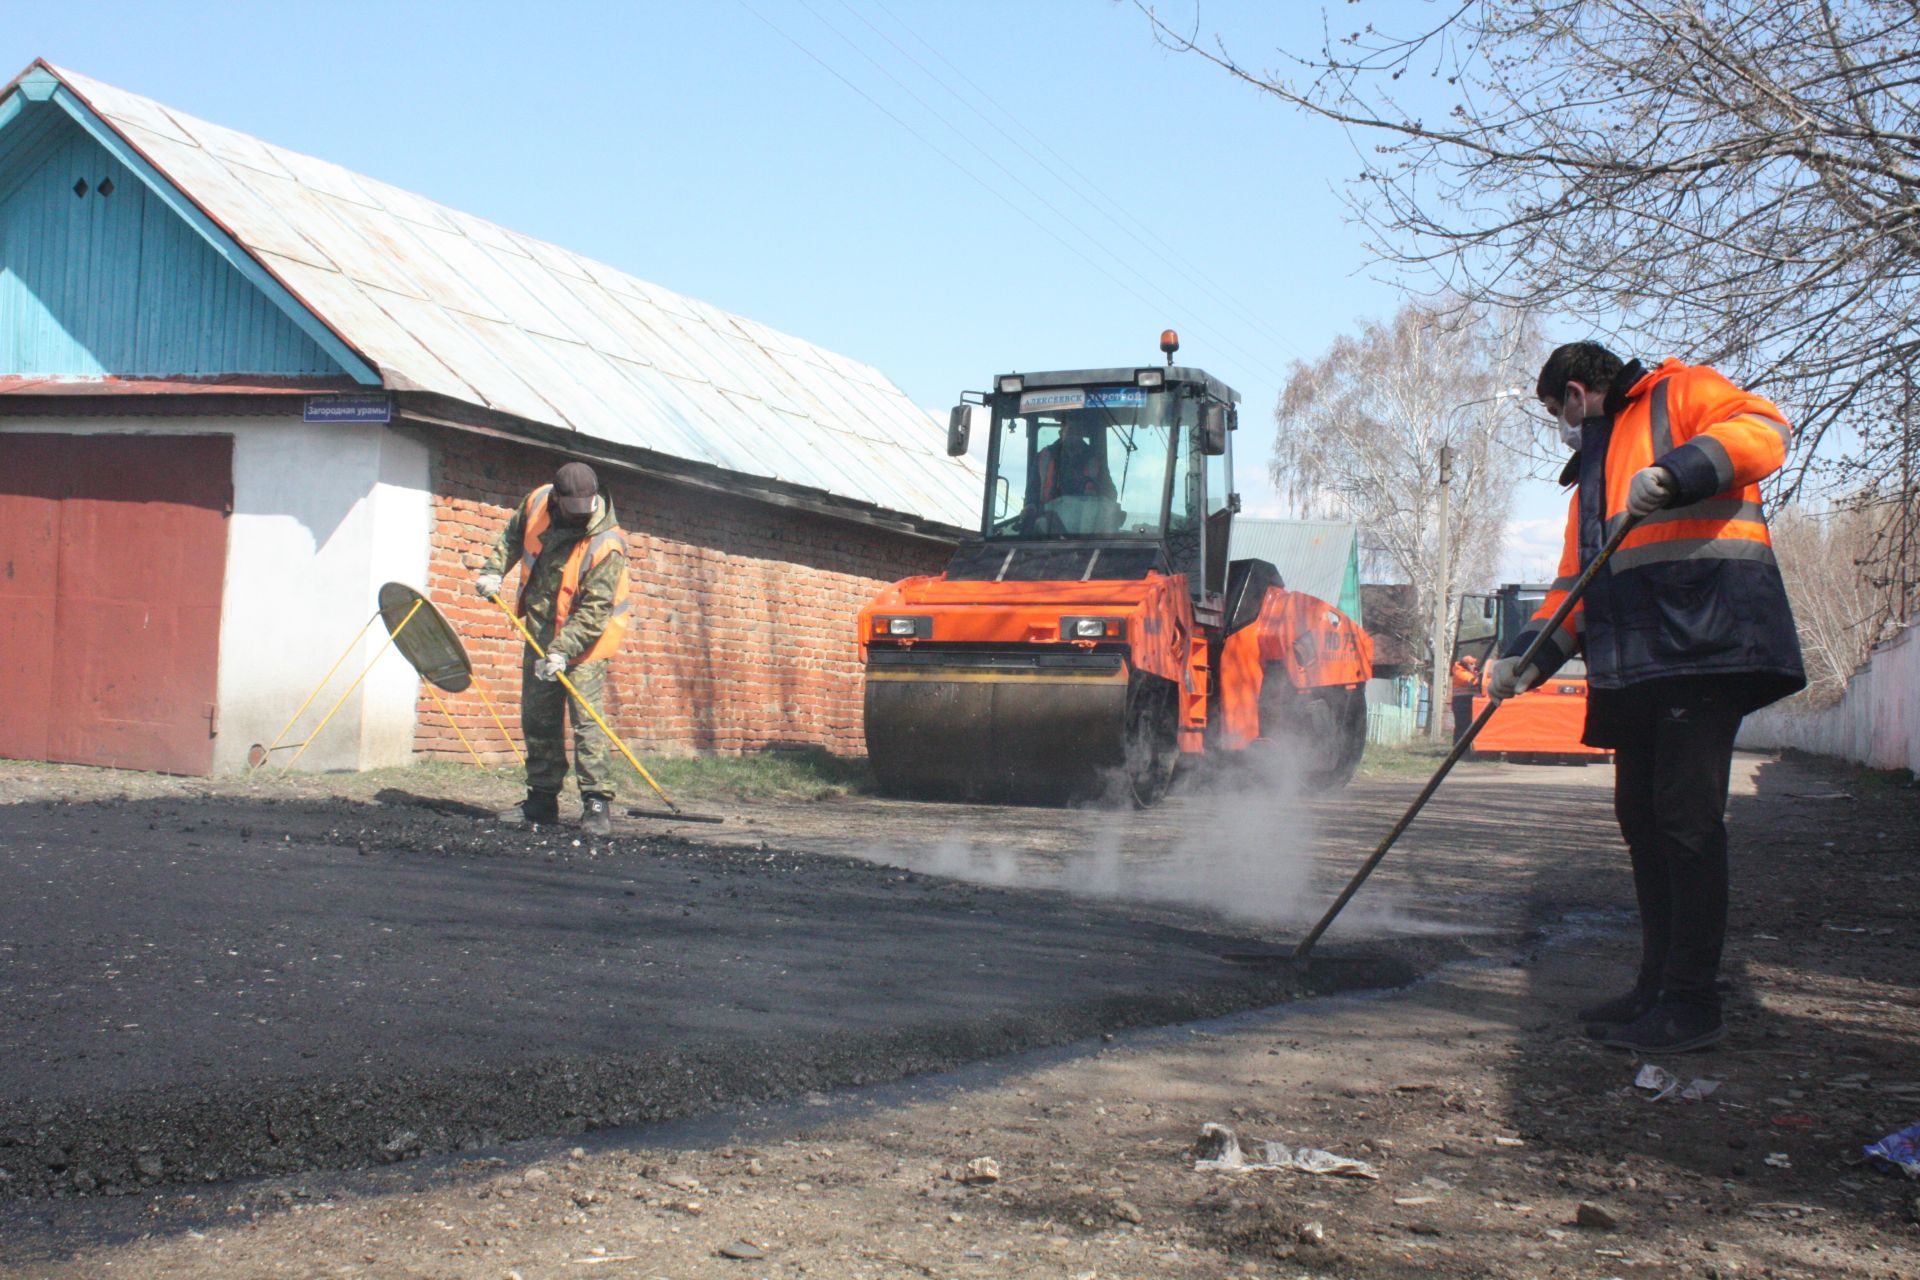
x: 1490, y: 1122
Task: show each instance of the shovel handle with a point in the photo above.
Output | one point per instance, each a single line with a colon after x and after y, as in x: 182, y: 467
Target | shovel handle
x: 1560, y: 615
x: 585, y: 705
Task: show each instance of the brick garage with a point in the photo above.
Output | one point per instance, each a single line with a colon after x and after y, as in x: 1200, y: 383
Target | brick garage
x: 743, y: 611
x: 383, y: 378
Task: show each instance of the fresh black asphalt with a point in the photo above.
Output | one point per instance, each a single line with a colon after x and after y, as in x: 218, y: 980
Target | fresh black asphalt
x: 201, y: 989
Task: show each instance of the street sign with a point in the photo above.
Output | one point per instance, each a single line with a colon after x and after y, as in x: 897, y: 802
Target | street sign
x: 377, y: 407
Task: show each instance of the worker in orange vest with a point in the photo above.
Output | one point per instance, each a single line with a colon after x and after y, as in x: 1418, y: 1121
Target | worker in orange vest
x: 1466, y: 682
x: 1686, y: 629
x: 573, y: 596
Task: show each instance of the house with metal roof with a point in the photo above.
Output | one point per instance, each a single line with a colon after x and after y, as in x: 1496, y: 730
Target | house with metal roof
x: 1319, y: 557
x: 241, y: 388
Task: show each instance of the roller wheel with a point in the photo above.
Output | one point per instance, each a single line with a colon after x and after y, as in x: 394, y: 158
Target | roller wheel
x: 1346, y: 743
x: 1153, y: 747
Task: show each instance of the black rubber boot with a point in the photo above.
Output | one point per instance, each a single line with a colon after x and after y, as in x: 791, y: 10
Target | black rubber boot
x: 1618, y: 1011
x: 596, y: 819
x: 539, y: 809
x: 1669, y: 1027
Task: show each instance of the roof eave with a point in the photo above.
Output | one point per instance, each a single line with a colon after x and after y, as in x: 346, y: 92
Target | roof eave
x: 435, y: 410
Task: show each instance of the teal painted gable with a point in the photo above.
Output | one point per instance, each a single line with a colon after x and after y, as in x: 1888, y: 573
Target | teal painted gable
x: 1350, y: 597
x: 99, y: 277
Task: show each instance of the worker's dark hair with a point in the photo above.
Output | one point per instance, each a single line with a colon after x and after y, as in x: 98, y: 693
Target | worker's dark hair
x: 1587, y: 363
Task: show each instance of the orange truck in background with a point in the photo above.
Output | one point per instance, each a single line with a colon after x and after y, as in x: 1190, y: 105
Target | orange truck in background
x: 1542, y: 725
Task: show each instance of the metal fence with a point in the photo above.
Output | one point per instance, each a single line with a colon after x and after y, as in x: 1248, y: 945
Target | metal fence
x: 1391, y: 726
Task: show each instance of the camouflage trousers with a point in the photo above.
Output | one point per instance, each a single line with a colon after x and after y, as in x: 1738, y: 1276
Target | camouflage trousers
x: 545, y: 708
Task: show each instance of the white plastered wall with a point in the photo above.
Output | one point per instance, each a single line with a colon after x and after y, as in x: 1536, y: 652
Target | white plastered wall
x: 323, y: 514
x: 1876, y: 723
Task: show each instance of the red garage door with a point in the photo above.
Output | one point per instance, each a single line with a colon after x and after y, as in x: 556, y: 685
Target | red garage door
x: 113, y: 550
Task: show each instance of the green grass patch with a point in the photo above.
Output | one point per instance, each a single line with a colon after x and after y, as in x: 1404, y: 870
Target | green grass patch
x: 1415, y: 759
x: 797, y: 774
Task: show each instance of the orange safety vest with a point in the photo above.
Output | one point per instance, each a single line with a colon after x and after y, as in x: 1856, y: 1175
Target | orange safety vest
x: 1057, y: 481
x: 586, y: 553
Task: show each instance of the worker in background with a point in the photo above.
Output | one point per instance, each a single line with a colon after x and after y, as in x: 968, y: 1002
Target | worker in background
x: 1466, y: 683
x: 573, y: 597
x: 1686, y: 629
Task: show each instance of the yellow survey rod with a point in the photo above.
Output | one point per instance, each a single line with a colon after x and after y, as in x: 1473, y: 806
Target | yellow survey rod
x: 586, y: 706
x: 326, y: 719
x: 481, y: 689
x: 453, y: 724
x: 275, y: 744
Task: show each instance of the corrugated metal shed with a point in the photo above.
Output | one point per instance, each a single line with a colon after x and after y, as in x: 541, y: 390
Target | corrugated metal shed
x: 1319, y: 557
x: 440, y: 301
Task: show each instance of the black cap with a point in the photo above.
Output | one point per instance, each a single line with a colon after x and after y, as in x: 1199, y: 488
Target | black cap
x: 574, y: 487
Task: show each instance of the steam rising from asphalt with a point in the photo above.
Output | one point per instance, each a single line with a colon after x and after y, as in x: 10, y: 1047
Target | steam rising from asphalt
x: 1239, y: 837
x: 1241, y: 846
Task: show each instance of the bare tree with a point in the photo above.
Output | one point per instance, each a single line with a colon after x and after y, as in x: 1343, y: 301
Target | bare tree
x: 1838, y: 611
x: 1731, y: 181
x: 1362, y: 428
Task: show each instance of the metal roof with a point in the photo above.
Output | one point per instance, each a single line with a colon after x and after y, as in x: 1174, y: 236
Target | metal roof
x: 1109, y: 377
x: 441, y: 301
x: 1319, y: 557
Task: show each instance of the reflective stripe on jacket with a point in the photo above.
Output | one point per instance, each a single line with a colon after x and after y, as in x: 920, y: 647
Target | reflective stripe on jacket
x: 587, y: 553
x: 1694, y: 589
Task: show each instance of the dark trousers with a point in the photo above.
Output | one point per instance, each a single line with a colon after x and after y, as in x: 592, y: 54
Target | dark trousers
x: 1673, y: 745
x: 1462, y: 713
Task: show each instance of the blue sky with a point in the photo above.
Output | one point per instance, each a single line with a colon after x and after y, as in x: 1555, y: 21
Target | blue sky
x: 945, y: 190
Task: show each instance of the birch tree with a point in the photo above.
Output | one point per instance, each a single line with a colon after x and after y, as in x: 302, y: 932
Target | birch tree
x: 1837, y: 609
x: 1360, y: 432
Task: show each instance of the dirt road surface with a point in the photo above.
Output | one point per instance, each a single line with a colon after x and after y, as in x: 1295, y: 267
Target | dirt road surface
x: 367, y: 1001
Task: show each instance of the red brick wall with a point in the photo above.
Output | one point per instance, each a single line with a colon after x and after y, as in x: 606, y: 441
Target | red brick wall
x: 743, y: 613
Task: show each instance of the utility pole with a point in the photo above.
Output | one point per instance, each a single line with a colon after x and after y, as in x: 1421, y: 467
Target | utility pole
x: 1906, y: 500
x: 1437, y: 700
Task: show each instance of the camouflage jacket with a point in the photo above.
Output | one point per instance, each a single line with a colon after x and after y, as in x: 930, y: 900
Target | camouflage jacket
x: 594, y: 603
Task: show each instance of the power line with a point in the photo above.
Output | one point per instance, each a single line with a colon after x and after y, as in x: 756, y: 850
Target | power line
x: 1015, y: 178
x: 1090, y: 190
x: 1122, y: 283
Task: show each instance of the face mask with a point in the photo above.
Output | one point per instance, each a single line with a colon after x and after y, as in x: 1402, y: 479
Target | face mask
x: 1569, y: 431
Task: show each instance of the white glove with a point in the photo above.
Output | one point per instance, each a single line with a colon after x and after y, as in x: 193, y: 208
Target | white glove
x: 549, y: 666
x: 1505, y: 679
x: 487, y: 585
x: 1652, y: 489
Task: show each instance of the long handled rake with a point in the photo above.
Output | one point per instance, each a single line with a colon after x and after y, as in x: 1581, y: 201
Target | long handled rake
x: 674, y: 811
x: 1560, y: 615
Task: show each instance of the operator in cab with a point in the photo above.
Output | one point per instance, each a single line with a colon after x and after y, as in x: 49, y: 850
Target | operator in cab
x: 1071, y: 490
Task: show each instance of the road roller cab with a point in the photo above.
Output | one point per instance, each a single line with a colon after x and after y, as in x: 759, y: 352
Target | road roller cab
x: 1073, y: 646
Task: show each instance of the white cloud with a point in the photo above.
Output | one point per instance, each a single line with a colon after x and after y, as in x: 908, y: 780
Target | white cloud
x: 1532, y: 550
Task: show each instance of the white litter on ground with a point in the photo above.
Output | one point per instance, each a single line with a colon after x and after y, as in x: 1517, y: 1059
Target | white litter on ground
x: 1665, y: 1084
x: 1219, y: 1152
